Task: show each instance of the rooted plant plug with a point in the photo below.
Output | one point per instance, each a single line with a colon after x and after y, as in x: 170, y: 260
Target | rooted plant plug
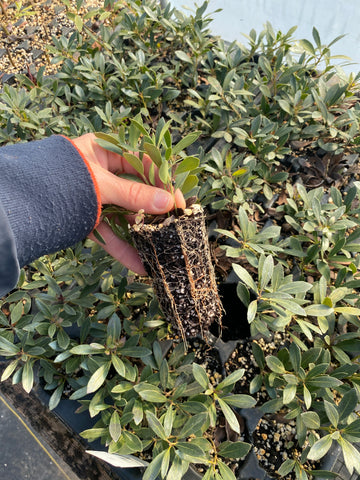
x: 176, y: 255
x: 174, y: 249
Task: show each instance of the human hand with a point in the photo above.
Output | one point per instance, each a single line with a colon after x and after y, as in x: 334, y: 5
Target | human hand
x: 128, y: 194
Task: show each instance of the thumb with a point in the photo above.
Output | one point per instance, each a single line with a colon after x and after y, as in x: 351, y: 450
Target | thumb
x: 133, y: 195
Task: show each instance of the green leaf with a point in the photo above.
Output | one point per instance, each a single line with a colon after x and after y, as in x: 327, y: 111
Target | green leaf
x: 154, y: 153
x: 178, y: 468
x: 164, y: 374
x: 27, y: 378
x: 245, y: 277
x: 289, y: 305
x: 353, y: 428
x: 316, y: 37
x: 320, y: 448
x: 155, y: 425
x: 286, y: 467
x: 189, y: 184
x: 87, y: 349
x: 122, y: 461
x: 311, y: 420
x: 118, y: 365
x: 348, y: 310
x: 164, y: 172
x: 229, y: 449
x: 307, y: 46
x: 295, y: 287
x: 9, y: 370
x: 295, y: 356
x: 17, y: 312
x: 109, y: 145
x: 258, y: 355
x: 229, y: 415
x: 98, y: 378
x: 135, y: 162
x: 153, y: 470
x: 189, y: 449
x: 231, y: 379
x: 332, y: 413
x: 289, y: 393
x: 113, y: 329
x: 165, y: 463
x: 252, y: 311
x: 140, y: 126
x: 183, y: 57
x: 131, y: 441
x: 239, y: 400
x: 134, y: 351
x: 324, y: 381
x: 115, y: 426
x: 200, y: 375
x: 7, y: 347
x: 225, y: 471
x: 63, y: 339
x: 307, y: 397
x: 138, y: 412
x: 244, y: 222
x: 56, y: 397
x: 193, y: 424
x: 243, y: 293
x: 266, y: 272
x: 122, y: 387
x: 94, y: 433
x: 150, y: 393
x: 318, y: 310
x: 78, y: 23
x: 351, y: 455
x: 169, y: 418
x: 275, y: 364
x: 185, y: 142
x: 285, y: 106
x: 187, y: 165
x: 215, y: 84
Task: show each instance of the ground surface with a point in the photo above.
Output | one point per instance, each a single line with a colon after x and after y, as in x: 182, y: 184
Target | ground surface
x: 37, y: 445
x: 26, y: 29
x: 22, y: 456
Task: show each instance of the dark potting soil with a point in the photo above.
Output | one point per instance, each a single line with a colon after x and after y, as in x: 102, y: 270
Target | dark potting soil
x: 275, y: 441
x: 209, y: 357
x: 243, y: 357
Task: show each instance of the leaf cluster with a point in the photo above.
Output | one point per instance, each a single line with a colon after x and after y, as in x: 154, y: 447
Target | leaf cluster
x: 150, y: 79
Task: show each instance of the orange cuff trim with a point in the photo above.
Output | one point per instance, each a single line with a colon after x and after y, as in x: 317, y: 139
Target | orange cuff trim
x: 93, y: 178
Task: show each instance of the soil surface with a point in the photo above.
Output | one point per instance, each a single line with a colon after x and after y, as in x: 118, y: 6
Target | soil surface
x: 26, y: 31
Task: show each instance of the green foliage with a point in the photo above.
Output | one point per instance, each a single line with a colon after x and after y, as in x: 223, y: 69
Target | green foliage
x: 150, y: 79
x: 174, y: 169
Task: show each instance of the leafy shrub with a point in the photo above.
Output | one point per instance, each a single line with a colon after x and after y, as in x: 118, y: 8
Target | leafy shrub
x: 82, y: 322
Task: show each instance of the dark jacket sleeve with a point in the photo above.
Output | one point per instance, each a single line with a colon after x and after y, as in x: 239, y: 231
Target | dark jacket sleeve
x: 48, y: 201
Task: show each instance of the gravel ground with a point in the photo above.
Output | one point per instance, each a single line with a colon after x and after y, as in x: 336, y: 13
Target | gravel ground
x: 26, y: 31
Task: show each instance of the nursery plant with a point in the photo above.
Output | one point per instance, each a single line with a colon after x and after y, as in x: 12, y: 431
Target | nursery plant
x: 175, y: 249
x: 265, y: 135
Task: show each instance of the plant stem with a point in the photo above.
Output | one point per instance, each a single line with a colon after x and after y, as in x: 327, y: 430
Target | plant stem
x: 10, y: 57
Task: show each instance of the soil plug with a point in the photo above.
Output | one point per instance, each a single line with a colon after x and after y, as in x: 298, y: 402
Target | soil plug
x: 176, y: 255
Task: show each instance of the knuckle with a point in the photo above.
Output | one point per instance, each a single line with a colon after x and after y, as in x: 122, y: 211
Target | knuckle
x: 136, y: 194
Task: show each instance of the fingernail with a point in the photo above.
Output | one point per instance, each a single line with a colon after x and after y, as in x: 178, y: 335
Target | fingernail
x: 161, y: 200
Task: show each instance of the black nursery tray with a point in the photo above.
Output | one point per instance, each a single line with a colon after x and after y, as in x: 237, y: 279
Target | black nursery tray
x: 53, y: 432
